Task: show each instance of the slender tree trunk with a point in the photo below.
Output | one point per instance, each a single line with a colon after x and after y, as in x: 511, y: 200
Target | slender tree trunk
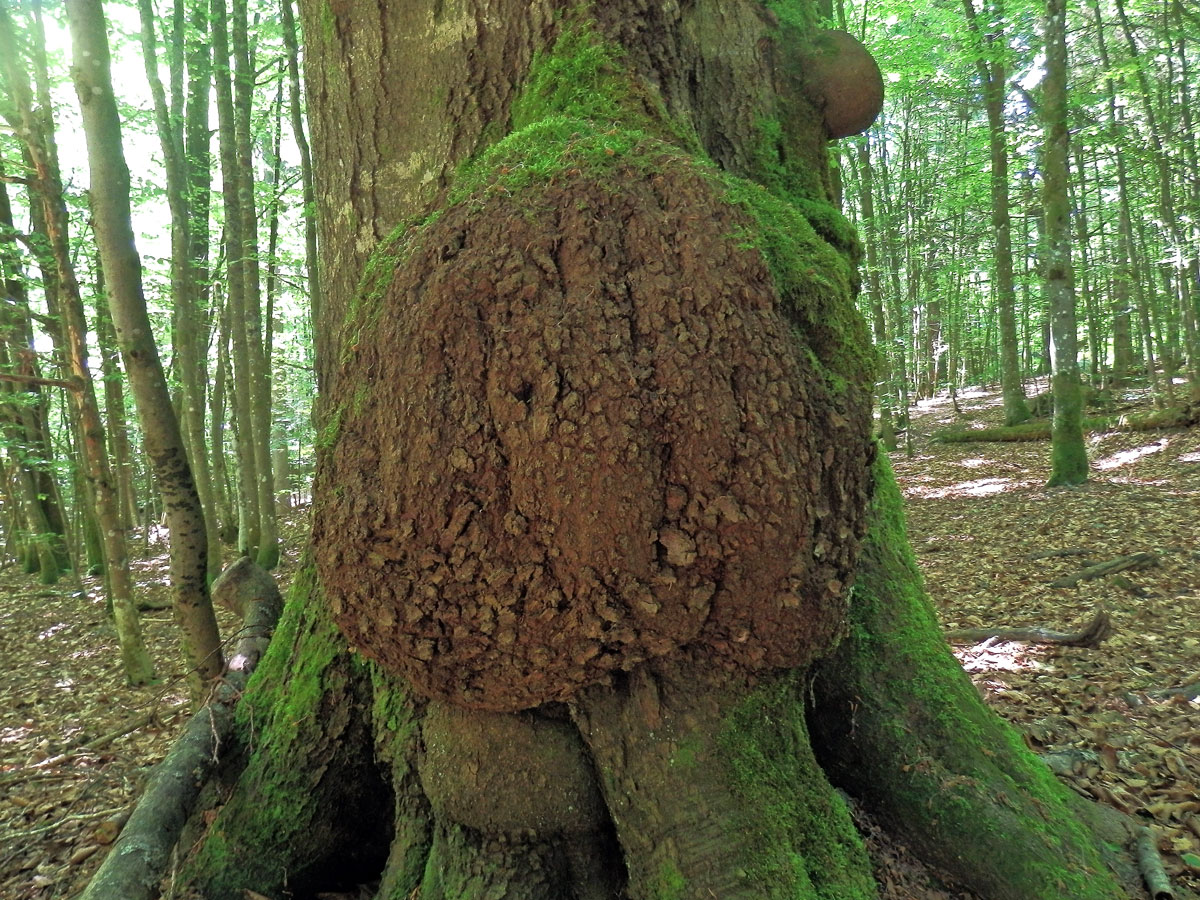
x: 23, y: 415
x: 225, y: 494
x: 189, y: 344
x: 1175, y: 271
x: 885, y: 388
x: 114, y: 410
x: 47, y: 187
x: 195, y: 319
x: 1128, y: 277
x: 311, y: 257
x: 279, y: 456
x: 257, y: 379
x: 123, y: 274
x: 1125, y: 275
x: 990, y: 62
x: 1078, y: 199
x: 239, y: 385
x: 1191, y: 156
x: 1069, y: 463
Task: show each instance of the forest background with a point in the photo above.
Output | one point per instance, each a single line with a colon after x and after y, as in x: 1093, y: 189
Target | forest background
x: 946, y: 190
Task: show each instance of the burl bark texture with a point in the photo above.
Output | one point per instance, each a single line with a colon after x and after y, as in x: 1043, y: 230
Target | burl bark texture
x: 584, y: 434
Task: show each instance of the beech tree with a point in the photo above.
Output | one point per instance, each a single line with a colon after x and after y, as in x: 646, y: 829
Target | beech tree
x: 123, y: 275
x: 991, y: 63
x: 35, y: 127
x: 596, y: 479
x: 1068, y: 454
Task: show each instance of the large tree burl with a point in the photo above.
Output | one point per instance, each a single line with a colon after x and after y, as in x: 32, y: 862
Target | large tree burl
x: 585, y: 432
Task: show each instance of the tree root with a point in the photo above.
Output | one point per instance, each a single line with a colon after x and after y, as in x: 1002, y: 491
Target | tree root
x: 139, y: 858
x: 1091, y: 636
x: 1151, y: 866
x: 897, y: 723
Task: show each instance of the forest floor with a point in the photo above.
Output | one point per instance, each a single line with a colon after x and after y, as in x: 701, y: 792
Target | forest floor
x: 76, y: 744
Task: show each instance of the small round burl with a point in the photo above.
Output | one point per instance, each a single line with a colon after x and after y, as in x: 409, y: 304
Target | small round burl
x: 843, y: 79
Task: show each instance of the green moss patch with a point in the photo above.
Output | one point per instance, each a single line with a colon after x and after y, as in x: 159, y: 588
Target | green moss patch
x: 899, y: 724
x: 771, y: 765
x: 814, y: 279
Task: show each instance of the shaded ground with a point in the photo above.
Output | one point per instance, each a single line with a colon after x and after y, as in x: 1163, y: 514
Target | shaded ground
x: 61, y: 686
x: 977, y: 512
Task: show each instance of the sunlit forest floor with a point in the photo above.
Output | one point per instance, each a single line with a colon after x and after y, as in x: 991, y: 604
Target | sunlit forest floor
x: 981, y: 522
x: 76, y: 745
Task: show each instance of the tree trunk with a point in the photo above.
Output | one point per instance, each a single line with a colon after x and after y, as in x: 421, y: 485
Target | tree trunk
x: 23, y: 417
x: 221, y: 482
x: 1175, y: 270
x: 594, y: 476
x: 1068, y: 453
x: 1095, y: 334
x: 123, y: 276
x: 886, y: 389
x: 311, y: 255
x: 238, y: 383
x: 990, y: 61
x: 114, y: 411
x: 37, y: 133
x: 182, y: 188
x: 258, y: 374
x: 196, y: 319
x: 1126, y: 278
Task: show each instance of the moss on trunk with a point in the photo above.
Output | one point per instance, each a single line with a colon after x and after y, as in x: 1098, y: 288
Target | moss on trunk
x: 898, y: 723
x: 305, y: 729
x: 715, y: 791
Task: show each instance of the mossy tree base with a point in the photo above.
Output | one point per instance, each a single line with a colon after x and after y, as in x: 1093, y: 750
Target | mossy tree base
x: 898, y: 724
x: 675, y: 781
x: 311, y: 804
x: 715, y: 790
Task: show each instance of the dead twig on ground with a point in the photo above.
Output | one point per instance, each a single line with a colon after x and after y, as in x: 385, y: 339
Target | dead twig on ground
x: 1139, y: 560
x: 1092, y: 635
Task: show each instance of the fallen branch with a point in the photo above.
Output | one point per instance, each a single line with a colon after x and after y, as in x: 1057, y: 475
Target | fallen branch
x: 1099, y: 629
x: 1099, y: 570
x: 1174, y: 417
x: 80, y: 745
x: 1047, y: 554
x: 138, y: 859
x: 1151, y: 866
x: 1188, y: 692
x: 1027, y: 431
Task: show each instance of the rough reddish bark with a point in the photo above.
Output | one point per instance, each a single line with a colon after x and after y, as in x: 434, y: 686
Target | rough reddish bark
x: 612, y: 444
